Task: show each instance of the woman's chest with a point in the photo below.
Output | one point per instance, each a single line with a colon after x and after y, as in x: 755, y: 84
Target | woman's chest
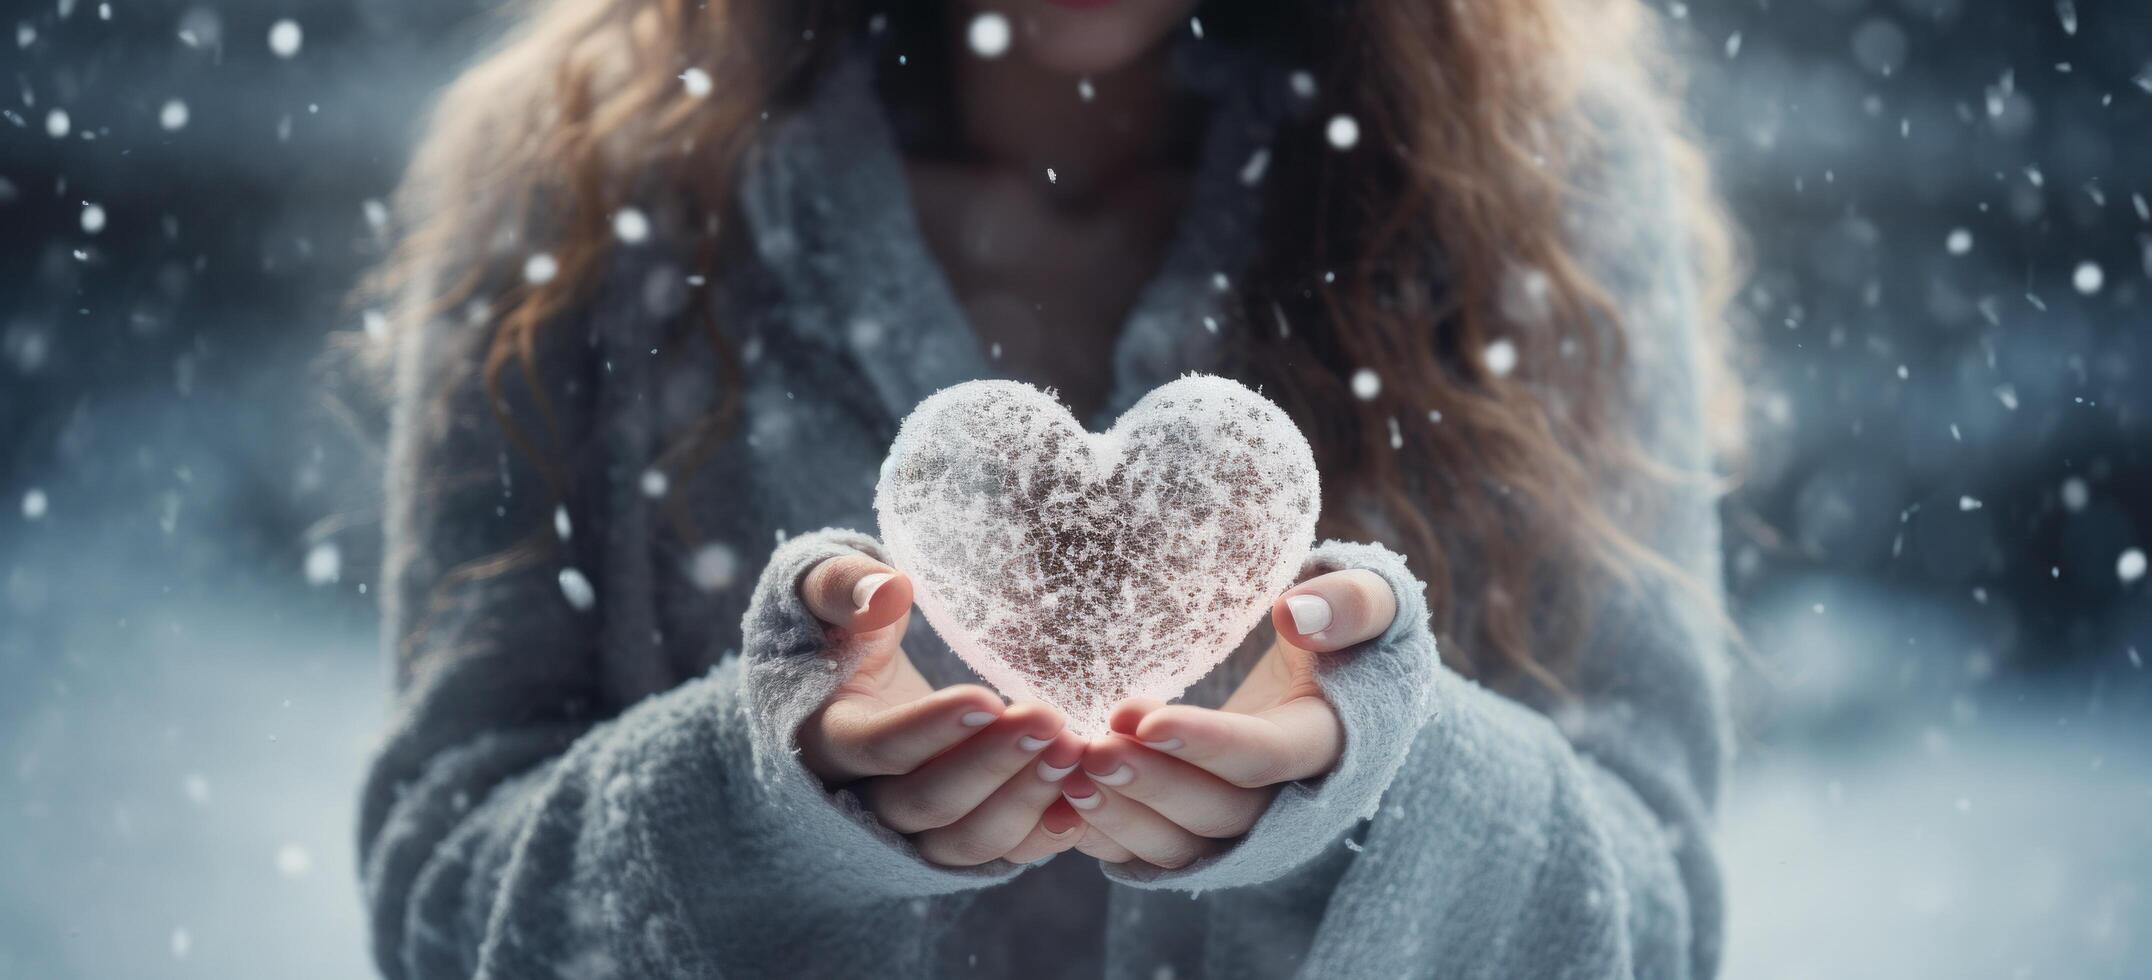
x: 1045, y: 285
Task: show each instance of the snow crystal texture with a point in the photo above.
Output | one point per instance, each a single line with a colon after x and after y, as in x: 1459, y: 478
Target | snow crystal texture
x: 1081, y: 569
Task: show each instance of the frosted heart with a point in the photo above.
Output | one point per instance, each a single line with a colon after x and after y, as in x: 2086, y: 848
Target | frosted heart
x: 1080, y: 569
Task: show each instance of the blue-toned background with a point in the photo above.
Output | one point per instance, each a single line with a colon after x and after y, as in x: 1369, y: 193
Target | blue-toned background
x: 1947, y: 764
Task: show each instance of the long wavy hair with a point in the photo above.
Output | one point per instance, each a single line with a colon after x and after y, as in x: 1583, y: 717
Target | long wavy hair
x: 1446, y: 237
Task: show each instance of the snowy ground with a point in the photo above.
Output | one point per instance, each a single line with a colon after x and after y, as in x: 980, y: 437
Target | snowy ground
x: 2020, y: 851
x: 181, y: 775
x: 179, y: 798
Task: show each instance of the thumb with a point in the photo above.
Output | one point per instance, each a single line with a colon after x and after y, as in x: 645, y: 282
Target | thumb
x: 856, y: 594
x: 1334, y: 611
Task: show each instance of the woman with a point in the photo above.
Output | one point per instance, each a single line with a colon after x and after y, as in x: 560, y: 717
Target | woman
x: 675, y: 270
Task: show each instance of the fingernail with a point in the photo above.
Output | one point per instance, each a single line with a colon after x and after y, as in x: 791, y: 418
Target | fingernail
x: 1311, y: 614
x: 1054, y: 774
x: 975, y: 719
x: 863, y: 590
x: 1090, y: 802
x: 1062, y: 832
x: 1165, y: 745
x: 1031, y: 744
x: 1120, y: 776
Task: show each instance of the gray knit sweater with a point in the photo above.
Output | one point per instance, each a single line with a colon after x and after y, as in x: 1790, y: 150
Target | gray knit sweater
x: 591, y: 770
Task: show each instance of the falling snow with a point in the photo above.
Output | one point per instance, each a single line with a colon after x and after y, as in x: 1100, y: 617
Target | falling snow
x: 1500, y: 357
x: 576, y: 588
x: 714, y: 567
x: 2130, y: 566
x: 285, y: 38
x: 630, y: 226
x: 1251, y: 173
x: 1953, y: 257
x: 1366, y: 384
x: 654, y: 484
x: 988, y: 35
x: 2088, y: 278
x: 294, y: 860
x: 324, y: 563
x: 696, y: 82
x: 1343, y: 132
x: 2075, y: 495
x: 540, y: 269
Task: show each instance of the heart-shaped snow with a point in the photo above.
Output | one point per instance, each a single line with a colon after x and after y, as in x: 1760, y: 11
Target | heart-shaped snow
x: 1083, y: 569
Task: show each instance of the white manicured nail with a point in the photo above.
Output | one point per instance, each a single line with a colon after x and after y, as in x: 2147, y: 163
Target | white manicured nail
x: 863, y: 590
x: 1090, y: 802
x: 1030, y: 744
x: 1311, y: 614
x: 1054, y: 774
x: 1120, y: 776
x: 1165, y: 745
x: 975, y: 719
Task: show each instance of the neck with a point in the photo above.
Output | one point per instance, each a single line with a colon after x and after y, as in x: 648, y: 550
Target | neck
x: 1090, y: 132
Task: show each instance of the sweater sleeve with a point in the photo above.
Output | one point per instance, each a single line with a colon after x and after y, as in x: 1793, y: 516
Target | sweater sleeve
x: 519, y: 821
x: 1573, y: 841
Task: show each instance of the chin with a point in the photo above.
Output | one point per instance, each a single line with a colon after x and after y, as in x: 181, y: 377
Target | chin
x: 1090, y: 37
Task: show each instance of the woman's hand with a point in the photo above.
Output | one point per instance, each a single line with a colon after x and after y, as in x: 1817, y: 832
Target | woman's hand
x: 1175, y: 781
x: 968, y: 779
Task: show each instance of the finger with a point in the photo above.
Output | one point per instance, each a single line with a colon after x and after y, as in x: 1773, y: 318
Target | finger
x: 855, y: 593
x: 1147, y: 835
x: 1198, y: 801
x: 1334, y: 611
x: 1009, y: 816
x: 954, y: 783
x: 1059, y: 829
x: 1098, y: 845
x: 1294, y: 740
x: 856, y: 737
x: 1129, y: 712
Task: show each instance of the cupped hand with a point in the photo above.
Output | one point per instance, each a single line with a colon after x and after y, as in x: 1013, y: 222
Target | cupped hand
x: 1174, y: 782
x: 967, y: 778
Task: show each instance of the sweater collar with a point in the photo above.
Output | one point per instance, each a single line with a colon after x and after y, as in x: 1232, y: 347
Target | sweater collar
x: 829, y: 212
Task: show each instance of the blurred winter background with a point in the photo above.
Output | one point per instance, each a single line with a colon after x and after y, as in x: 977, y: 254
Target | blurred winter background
x: 1938, y: 552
